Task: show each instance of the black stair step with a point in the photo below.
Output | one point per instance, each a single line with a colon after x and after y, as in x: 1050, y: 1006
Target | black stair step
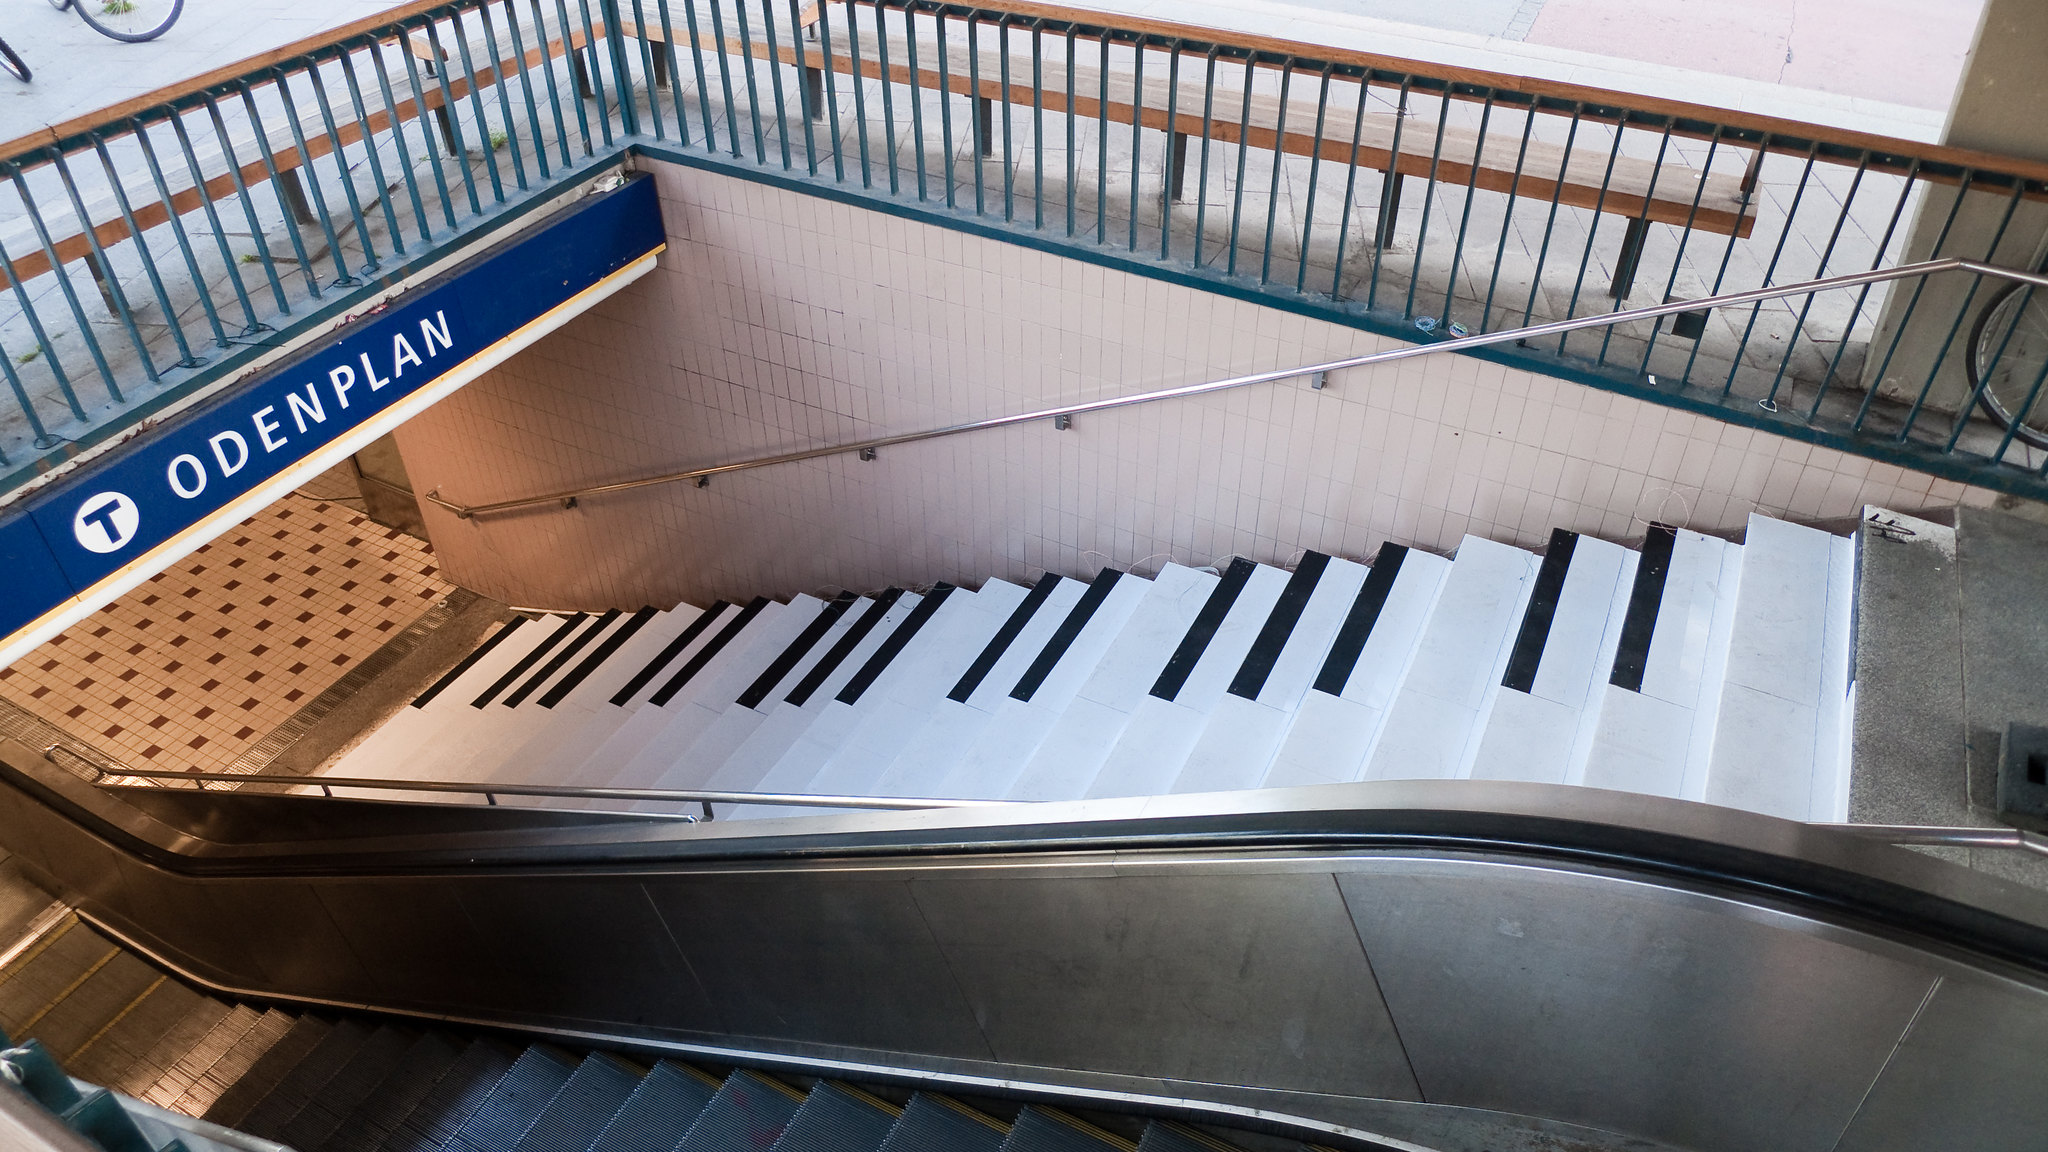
x: 1222, y: 597
x: 659, y: 1113
x: 1000, y: 643
x: 1359, y: 620
x: 516, y: 1102
x: 1272, y: 639
x: 455, y: 1097
x: 588, y: 1100
x: 836, y: 655
x: 834, y: 1118
x: 273, y: 1112
x: 786, y: 661
x: 749, y: 1112
x: 561, y: 658
x: 350, y: 1085
x: 668, y: 652
x: 469, y: 661
x: 705, y: 655
x: 1044, y: 1130
x: 562, y: 631
x: 597, y: 657
x: 405, y: 1084
x: 240, y: 1092
x: 936, y: 1124
x: 1064, y: 636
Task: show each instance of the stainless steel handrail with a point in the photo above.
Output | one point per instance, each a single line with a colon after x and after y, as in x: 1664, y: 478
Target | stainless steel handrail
x: 491, y: 792
x: 1066, y: 412
x: 1920, y: 834
x: 1934, y: 835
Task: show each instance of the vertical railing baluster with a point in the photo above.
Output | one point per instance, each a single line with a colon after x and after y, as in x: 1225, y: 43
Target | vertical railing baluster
x: 35, y: 328
x: 1906, y: 189
x: 533, y: 120
x: 369, y: 141
x: 1564, y: 161
x: 309, y: 184
x: 213, y: 224
x: 1244, y: 147
x: 648, y: 69
x: 248, y: 202
x: 984, y: 127
x: 915, y: 94
x: 186, y: 359
x: 1279, y: 157
x: 111, y: 283
x: 1202, y: 170
x: 860, y: 108
x: 1820, y: 270
x: 341, y: 168
x: 1038, y: 124
x: 1176, y: 151
x: 805, y: 95
x: 1009, y: 163
x: 1684, y: 239
x: 832, y: 89
x: 944, y: 53
x: 412, y: 187
x: 174, y: 218
x: 1390, y: 188
x: 434, y: 148
x: 1137, y: 129
x: 1629, y: 265
x: 593, y: 72
x: 673, y: 67
x: 704, y: 79
x: 40, y: 437
x: 1571, y: 307
x: 622, y: 75
x: 499, y: 83
x: 1350, y: 183
x: 476, y: 107
x: 1465, y: 217
x: 1073, y: 118
x: 1315, y: 161
x: 1436, y: 157
x: 1962, y: 313
x: 452, y: 121
x: 1507, y: 219
x: 1771, y: 270
x: 888, y: 94
x: 746, y: 54
x: 92, y: 344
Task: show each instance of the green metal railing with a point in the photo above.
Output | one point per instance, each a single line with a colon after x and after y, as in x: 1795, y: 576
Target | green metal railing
x: 240, y: 213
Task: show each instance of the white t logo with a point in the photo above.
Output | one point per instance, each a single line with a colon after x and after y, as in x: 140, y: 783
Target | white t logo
x: 105, y: 522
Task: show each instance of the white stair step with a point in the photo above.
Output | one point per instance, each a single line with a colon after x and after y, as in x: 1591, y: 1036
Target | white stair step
x: 952, y: 724
x: 1162, y: 730
x: 961, y: 630
x: 751, y: 767
x: 515, y: 716
x: 630, y: 756
x: 1333, y: 730
x: 692, y: 763
x: 799, y: 766
x: 1550, y: 691
x: 990, y: 766
x: 395, y: 749
x: 1071, y: 753
x: 1643, y: 741
x: 586, y: 717
x: 1430, y: 731
x: 1772, y: 748
x: 1245, y: 727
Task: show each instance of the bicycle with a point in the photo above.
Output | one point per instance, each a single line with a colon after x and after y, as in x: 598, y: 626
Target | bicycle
x: 129, y: 21
x: 12, y: 62
x: 2008, y: 362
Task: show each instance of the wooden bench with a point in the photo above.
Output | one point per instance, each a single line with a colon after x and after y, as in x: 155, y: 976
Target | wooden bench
x: 1396, y: 146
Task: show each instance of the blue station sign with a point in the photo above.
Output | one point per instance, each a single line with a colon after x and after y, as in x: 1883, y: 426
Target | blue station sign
x: 140, y: 496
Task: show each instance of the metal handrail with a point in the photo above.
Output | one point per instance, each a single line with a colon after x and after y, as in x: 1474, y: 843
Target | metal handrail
x: 1065, y: 412
x: 1932, y: 835
x: 491, y: 792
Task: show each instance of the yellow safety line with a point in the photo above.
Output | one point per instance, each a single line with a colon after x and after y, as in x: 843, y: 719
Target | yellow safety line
x: 118, y: 1017
x: 972, y: 1113
x: 1082, y: 1125
x: 69, y: 989
x: 35, y: 949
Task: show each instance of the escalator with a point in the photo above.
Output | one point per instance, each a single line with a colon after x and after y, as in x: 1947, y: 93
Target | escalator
x: 1448, y: 966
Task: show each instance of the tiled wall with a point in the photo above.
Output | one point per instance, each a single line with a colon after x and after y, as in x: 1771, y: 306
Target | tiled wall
x: 193, y: 667
x: 780, y: 321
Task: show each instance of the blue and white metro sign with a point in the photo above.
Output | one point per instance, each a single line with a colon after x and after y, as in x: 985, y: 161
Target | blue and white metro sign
x: 157, y: 493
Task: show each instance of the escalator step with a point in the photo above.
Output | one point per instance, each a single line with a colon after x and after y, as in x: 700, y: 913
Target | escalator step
x: 93, y: 1003
x: 455, y: 1097
x: 589, y: 1099
x: 749, y: 1113
x: 660, y: 1111
x: 127, y: 1051
x: 269, y: 1115
x: 208, y: 1037
x: 935, y: 1124
x: 516, y: 1102
x: 1043, y: 1130
x: 405, y: 1083
x: 834, y: 1119
x: 344, y: 1091
x: 1160, y: 1137
x: 248, y: 1053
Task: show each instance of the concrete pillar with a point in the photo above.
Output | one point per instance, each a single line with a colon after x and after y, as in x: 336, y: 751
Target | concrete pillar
x: 2000, y: 106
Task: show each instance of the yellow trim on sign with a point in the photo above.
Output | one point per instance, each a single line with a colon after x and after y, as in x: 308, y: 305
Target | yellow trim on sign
x: 134, y: 573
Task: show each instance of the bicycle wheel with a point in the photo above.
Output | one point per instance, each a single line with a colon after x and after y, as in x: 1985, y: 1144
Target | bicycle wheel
x: 12, y: 62
x: 132, y: 21
x: 2008, y: 359
x: 60, y: 5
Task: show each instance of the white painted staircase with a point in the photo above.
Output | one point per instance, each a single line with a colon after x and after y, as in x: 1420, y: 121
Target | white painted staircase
x: 1694, y: 668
